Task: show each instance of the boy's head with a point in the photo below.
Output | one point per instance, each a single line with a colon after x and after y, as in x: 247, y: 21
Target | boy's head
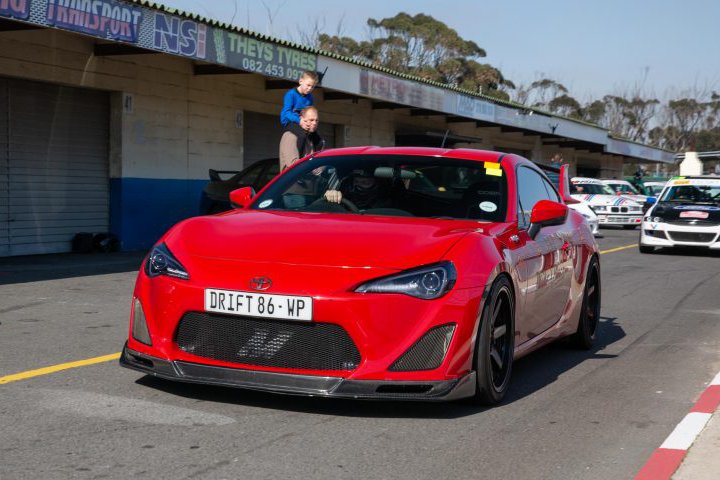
x: 307, y: 82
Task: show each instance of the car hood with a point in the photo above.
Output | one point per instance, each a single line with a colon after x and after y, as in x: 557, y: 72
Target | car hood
x: 612, y: 200
x: 338, y: 240
x: 689, y: 212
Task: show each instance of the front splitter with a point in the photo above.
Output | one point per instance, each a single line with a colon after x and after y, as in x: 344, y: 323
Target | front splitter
x: 306, y: 385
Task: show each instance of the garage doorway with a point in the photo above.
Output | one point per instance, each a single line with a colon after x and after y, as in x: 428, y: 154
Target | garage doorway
x: 53, y: 165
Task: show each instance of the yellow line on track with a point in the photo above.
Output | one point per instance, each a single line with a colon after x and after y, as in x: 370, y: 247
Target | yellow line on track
x: 115, y: 356
x: 618, y: 248
x: 57, y: 368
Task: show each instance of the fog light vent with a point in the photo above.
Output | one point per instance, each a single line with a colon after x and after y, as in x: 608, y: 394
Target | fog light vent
x: 428, y: 352
x: 139, y: 328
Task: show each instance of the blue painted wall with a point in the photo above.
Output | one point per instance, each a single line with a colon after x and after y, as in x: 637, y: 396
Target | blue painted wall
x: 142, y: 209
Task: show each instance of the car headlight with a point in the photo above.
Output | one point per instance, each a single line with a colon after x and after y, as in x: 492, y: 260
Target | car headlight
x: 600, y: 208
x: 657, y: 219
x: 162, y: 262
x: 635, y: 209
x: 426, y: 282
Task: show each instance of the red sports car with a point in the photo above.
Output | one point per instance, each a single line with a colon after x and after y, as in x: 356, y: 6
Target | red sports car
x: 390, y: 273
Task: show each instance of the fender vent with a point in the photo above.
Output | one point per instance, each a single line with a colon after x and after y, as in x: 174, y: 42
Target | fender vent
x: 428, y: 352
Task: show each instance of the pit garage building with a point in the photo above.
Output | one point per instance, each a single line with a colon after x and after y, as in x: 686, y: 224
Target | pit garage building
x: 112, y: 112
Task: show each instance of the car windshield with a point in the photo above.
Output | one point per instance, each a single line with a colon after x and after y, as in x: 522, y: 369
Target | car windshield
x: 653, y: 189
x: 391, y: 185
x: 590, y: 188
x: 692, y: 194
x: 624, y: 188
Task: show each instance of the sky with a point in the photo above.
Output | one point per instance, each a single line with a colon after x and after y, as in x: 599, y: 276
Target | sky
x: 662, y: 48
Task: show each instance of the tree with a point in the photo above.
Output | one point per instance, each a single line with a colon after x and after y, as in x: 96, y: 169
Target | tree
x: 423, y: 46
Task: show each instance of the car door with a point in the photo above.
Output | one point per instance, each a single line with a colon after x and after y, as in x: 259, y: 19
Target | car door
x: 546, y: 266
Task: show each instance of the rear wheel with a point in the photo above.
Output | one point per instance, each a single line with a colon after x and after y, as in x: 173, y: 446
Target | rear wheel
x: 584, y: 337
x: 494, y: 344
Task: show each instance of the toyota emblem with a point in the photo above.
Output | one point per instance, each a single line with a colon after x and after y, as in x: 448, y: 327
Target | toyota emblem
x: 260, y: 283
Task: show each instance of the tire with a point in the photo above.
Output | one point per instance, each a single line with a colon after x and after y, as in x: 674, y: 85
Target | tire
x: 629, y: 227
x: 494, y: 345
x: 586, y: 332
x: 645, y: 248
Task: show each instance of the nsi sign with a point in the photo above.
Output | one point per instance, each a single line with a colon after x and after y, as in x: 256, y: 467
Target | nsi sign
x: 184, y: 37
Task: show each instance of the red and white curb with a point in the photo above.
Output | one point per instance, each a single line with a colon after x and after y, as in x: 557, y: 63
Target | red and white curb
x: 666, y: 459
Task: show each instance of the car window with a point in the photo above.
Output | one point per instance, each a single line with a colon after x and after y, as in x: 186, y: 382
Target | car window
x: 272, y: 169
x: 249, y: 176
x: 391, y: 185
x: 580, y: 188
x: 531, y: 189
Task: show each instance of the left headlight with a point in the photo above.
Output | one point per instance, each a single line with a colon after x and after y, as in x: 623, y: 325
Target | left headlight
x: 426, y: 283
x: 161, y: 261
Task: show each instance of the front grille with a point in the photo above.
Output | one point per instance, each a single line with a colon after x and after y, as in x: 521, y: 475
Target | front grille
x: 693, y: 221
x: 692, y: 237
x: 427, y: 353
x: 267, y: 342
x: 656, y: 233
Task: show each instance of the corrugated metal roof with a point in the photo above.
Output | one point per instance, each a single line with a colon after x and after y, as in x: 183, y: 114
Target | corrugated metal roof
x: 379, y: 68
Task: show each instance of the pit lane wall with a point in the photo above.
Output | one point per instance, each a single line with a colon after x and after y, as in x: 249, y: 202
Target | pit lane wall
x: 169, y: 125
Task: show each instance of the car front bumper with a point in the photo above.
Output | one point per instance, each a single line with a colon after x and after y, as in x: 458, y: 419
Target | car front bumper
x: 293, y: 384
x: 658, y: 234
x: 619, y: 219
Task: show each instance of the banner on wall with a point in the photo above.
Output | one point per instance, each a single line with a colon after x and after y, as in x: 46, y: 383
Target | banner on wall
x: 127, y: 22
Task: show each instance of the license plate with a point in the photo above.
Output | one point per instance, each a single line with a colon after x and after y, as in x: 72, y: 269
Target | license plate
x: 619, y: 219
x: 255, y: 304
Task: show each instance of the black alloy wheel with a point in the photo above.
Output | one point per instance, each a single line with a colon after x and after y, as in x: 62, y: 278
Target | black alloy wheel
x: 590, y: 309
x: 494, y: 348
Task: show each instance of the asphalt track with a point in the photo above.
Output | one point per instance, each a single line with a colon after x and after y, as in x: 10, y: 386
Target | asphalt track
x: 569, y: 414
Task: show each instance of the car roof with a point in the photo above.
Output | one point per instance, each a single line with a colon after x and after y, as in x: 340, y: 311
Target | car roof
x: 697, y: 180
x: 462, y: 153
x: 615, y: 180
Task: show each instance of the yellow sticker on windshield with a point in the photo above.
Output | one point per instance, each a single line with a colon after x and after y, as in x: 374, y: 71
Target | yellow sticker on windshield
x: 492, y: 165
x: 496, y: 172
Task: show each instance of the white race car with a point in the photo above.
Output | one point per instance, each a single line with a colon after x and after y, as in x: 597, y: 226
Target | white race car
x: 626, y: 189
x: 584, y: 209
x: 687, y: 214
x: 611, y: 209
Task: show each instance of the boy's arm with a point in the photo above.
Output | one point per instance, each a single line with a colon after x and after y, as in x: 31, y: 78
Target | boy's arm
x: 287, y: 115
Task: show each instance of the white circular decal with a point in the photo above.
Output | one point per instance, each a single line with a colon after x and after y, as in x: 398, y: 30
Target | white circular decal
x: 488, y: 207
x: 265, y: 203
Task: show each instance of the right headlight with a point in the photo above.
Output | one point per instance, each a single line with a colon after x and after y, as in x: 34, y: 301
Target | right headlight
x: 426, y: 283
x: 161, y: 261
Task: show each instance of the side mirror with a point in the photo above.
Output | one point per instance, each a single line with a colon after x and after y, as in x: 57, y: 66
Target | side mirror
x: 546, y: 213
x: 649, y: 202
x: 564, y: 186
x: 240, y: 198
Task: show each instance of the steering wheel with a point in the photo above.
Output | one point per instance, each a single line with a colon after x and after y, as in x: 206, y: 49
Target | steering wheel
x: 349, y: 205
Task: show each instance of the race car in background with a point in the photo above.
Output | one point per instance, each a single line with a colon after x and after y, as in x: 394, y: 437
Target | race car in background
x: 610, y: 208
x: 580, y: 206
x: 687, y: 214
x: 626, y: 189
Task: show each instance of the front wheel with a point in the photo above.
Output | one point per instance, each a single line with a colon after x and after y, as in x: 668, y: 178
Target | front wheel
x: 645, y: 248
x: 494, y: 344
x: 584, y: 336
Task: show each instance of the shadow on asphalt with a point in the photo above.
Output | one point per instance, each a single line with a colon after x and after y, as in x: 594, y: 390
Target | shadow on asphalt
x: 35, y: 268
x: 530, y: 374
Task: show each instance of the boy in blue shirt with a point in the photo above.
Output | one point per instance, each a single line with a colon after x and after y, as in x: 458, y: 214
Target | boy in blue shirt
x: 298, y: 98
